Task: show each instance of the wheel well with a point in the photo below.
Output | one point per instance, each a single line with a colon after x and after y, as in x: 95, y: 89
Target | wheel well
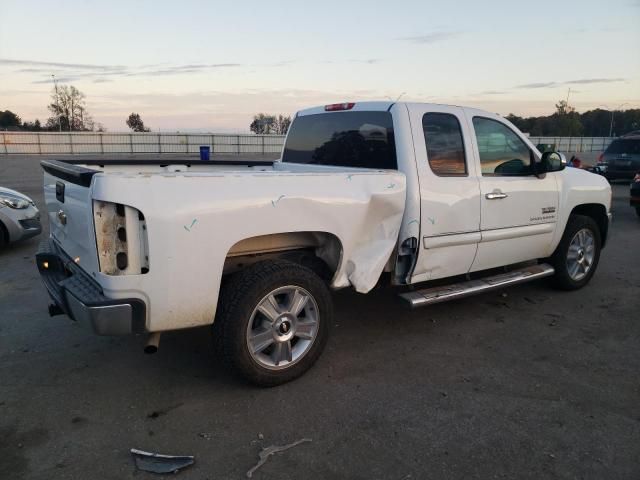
x: 598, y: 213
x: 319, y: 251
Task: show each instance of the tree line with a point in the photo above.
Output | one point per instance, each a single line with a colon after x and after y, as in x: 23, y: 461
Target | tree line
x: 265, y: 124
x: 68, y: 113
x: 566, y: 122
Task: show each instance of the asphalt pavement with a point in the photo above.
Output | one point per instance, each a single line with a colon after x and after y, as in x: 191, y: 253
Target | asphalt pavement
x: 527, y: 382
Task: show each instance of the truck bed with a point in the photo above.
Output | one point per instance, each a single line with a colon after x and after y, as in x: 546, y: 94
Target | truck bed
x: 190, y: 218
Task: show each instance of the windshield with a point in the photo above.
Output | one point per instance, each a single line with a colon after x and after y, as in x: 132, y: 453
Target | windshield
x: 345, y: 139
x: 628, y: 146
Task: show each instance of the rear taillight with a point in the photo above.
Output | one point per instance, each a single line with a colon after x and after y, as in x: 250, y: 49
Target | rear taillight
x: 600, y: 157
x: 121, y: 238
x: 336, y: 107
x: 637, y: 177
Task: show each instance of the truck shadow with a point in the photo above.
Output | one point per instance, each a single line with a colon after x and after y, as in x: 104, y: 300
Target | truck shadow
x: 381, y: 328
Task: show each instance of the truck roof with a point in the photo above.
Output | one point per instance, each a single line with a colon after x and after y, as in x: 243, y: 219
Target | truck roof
x: 381, y: 106
x: 357, y: 106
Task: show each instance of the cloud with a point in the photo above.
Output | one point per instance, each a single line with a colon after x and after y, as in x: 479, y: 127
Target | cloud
x: 182, y: 69
x: 580, y: 81
x: 367, y: 61
x: 493, y: 92
x: 59, y: 79
x: 429, y: 38
x: 35, y: 63
x: 68, y: 72
x: 538, y: 85
x: 593, y: 80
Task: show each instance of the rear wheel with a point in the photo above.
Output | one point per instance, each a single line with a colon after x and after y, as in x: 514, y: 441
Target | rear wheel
x: 272, y: 321
x: 576, y: 258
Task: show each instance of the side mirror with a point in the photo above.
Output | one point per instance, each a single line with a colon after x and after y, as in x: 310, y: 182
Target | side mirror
x: 551, y: 162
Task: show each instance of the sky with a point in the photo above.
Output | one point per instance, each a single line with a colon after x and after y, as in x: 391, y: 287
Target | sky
x: 211, y: 65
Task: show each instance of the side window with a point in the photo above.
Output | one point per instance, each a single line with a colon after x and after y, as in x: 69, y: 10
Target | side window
x: 502, y: 152
x: 445, y: 148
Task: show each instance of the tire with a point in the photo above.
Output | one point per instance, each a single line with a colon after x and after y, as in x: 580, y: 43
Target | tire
x: 260, y: 336
x: 638, y: 211
x: 580, y: 245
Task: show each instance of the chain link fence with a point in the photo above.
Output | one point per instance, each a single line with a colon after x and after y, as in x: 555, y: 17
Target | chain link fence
x: 131, y: 143
x: 159, y: 143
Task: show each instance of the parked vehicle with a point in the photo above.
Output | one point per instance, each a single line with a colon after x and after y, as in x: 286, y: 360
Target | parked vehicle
x: 634, y: 199
x: 365, y: 194
x: 621, y: 159
x: 19, y: 217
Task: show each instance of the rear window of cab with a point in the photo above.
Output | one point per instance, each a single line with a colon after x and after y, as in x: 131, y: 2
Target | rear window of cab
x: 343, y: 139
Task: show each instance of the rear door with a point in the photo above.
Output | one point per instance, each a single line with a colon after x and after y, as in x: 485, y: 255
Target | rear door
x: 518, y: 209
x: 449, y: 191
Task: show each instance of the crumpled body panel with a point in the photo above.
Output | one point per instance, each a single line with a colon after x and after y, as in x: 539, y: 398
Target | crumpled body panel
x: 194, y: 219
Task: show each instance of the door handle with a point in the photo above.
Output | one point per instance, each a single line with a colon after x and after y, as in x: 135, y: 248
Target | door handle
x: 496, y: 195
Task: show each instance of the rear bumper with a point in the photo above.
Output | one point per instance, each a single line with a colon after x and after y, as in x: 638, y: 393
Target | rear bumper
x: 81, y: 298
x: 620, y: 174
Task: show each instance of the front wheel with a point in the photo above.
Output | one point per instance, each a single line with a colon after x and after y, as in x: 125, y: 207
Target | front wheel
x: 272, y: 321
x: 576, y: 258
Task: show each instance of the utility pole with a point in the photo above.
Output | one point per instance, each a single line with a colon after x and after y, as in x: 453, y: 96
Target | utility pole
x: 612, y: 110
x: 611, y: 125
x: 57, y: 104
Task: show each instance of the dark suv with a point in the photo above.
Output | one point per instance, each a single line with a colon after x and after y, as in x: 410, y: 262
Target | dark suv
x: 621, y: 159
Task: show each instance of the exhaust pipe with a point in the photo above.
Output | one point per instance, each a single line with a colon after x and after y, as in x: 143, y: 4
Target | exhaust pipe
x: 152, y: 343
x: 55, y: 310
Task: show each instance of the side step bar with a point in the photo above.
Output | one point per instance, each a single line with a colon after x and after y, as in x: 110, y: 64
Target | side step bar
x: 428, y: 296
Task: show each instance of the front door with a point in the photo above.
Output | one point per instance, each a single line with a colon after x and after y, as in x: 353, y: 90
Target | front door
x: 449, y: 191
x: 518, y: 209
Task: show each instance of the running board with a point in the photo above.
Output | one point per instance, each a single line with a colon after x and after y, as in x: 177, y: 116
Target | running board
x: 428, y: 296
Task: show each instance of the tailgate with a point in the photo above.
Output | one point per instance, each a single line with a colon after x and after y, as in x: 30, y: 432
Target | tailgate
x: 68, y: 201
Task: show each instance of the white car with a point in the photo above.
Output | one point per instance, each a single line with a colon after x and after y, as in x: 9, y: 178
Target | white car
x: 368, y: 193
x: 19, y: 217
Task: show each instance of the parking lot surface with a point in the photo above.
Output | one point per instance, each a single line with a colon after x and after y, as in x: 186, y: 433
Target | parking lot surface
x: 527, y: 382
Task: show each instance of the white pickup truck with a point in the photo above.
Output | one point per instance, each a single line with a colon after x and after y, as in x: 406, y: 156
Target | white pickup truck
x: 364, y: 194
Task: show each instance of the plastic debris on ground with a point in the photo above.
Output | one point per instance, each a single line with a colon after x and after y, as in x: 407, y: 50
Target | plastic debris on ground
x: 159, y: 463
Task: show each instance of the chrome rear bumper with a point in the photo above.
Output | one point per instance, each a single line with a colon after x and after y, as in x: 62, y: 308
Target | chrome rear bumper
x: 80, y: 297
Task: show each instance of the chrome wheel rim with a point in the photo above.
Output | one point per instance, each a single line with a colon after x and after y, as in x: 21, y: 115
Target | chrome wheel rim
x: 581, y: 254
x: 283, y: 327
